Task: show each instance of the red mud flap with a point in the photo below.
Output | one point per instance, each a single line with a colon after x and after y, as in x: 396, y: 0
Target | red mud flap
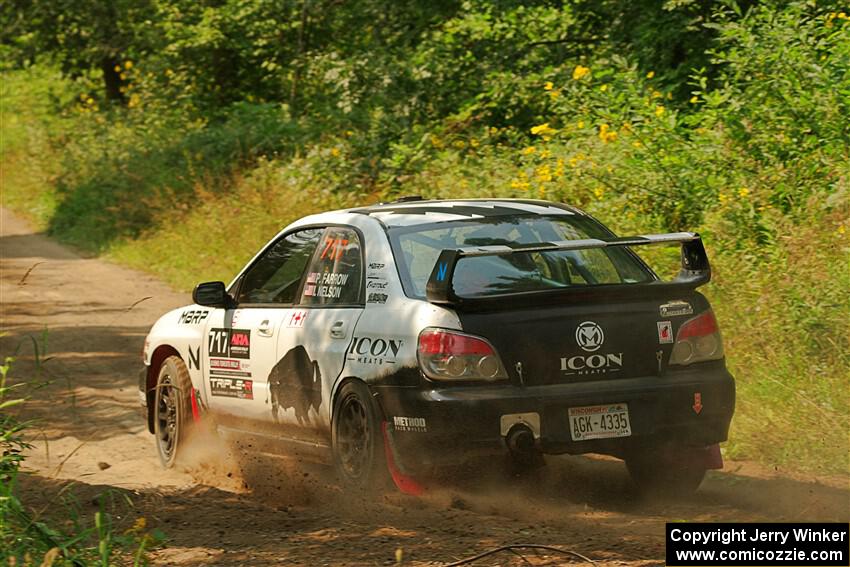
x: 196, y: 410
x: 405, y: 483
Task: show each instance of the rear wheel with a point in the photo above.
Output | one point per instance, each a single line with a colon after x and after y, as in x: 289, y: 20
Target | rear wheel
x: 358, y: 445
x: 663, y: 474
x: 172, y: 409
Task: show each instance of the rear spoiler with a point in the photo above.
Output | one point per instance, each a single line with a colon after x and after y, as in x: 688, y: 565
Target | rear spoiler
x: 694, y: 273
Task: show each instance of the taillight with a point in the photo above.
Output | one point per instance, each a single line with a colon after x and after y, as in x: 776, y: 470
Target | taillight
x: 449, y: 355
x: 698, y: 339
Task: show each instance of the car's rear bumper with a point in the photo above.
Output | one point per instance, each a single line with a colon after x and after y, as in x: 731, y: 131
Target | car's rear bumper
x: 465, y: 421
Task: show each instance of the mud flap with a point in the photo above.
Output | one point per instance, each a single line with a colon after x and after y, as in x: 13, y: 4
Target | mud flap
x: 708, y: 457
x: 406, y: 484
x: 196, y: 410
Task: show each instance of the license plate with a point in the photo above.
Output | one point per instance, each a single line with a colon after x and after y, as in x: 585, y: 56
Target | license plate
x: 599, y: 422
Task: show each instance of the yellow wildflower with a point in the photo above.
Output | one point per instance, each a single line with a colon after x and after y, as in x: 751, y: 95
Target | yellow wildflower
x: 650, y: 75
x: 543, y: 173
x: 606, y: 134
x: 554, y: 94
x: 659, y: 111
x: 128, y: 65
x: 599, y: 192
x: 723, y: 198
x: 637, y: 144
x: 543, y: 130
x: 841, y: 229
x: 843, y: 16
x: 459, y: 144
x: 580, y: 72
x: 603, y: 88
x: 580, y: 124
x: 436, y: 142
x: 117, y: 68
x: 656, y: 94
x: 520, y: 184
x: 335, y: 152
x: 743, y: 192
x: 545, y: 154
x: 694, y: 99
x: 473, y: 142
x: 528, y: 151
x: 90, y: 101
x: 548, y: 86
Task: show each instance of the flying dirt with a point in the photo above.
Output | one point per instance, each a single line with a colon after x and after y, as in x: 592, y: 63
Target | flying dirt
x: 89, y: 319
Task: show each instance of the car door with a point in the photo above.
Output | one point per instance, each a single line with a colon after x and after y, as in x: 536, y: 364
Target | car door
x: 241, y: 346
x: 316, y: 335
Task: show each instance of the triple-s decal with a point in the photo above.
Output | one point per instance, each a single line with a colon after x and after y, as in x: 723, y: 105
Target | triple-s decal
x: 230, y: 343
x: 374, y: 350
x: 590, y: 337
x: 241, y: 388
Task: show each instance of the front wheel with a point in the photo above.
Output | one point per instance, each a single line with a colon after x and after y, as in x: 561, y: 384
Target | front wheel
x: 172, y: 409
x: 358, y: 448
x: 663, y: 474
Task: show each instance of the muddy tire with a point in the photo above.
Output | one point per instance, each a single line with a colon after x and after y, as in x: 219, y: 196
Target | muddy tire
x: 172, y: 409
x: 357, y: 439
x: 660, y: 477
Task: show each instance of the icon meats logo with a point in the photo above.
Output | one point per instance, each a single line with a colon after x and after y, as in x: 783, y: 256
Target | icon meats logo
x: 230, y: 343
x: 374, y: 350
x: 295, y: 382
x: 590, y: 337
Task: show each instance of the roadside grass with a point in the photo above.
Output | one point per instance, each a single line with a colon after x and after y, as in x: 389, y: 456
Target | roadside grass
x: 60, y: 532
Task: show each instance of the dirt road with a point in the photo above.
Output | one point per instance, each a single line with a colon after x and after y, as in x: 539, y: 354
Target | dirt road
x: 95, y: 316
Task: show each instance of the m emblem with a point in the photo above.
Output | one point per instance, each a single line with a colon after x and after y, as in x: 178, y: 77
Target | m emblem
x: 589, y: 336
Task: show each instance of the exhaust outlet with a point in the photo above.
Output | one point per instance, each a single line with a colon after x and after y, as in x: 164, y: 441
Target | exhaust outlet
x: 520, y: 440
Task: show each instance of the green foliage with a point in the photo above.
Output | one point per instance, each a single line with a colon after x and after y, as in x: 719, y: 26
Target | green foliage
x: 26, y: 534
x: 726, y: 118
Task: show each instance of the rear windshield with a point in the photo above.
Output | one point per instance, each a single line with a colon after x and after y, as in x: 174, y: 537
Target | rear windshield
x: 416, y: 249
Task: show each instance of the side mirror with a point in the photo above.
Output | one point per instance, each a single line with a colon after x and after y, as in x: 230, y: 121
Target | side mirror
x: 212, y: 294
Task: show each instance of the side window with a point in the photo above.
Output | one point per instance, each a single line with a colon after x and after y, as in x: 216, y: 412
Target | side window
x: 276, y: 275
x: 336, y: 272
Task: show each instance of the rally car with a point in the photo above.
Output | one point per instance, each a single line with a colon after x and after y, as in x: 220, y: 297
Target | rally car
x: 396, y: 338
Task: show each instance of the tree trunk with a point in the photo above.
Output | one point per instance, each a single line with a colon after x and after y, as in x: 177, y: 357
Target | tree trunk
x: 112, y: 79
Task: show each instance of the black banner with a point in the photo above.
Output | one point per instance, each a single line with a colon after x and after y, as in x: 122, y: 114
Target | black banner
x: 758, y: 544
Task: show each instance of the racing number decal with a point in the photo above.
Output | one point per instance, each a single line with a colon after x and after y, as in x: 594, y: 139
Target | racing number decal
x: 334, y: 247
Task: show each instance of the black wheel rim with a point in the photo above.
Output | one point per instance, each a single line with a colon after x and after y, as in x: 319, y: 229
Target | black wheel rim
x: 166, y: 415
x: 354, y: 437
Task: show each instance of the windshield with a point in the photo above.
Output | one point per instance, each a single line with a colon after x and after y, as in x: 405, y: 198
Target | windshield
x: 416, y: 249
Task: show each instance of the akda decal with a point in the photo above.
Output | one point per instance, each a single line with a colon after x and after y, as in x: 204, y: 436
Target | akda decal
x: 295, y: 382
x: 230, y: 343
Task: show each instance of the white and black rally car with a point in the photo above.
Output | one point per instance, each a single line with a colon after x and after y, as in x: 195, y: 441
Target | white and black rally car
x: 395, y: 338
